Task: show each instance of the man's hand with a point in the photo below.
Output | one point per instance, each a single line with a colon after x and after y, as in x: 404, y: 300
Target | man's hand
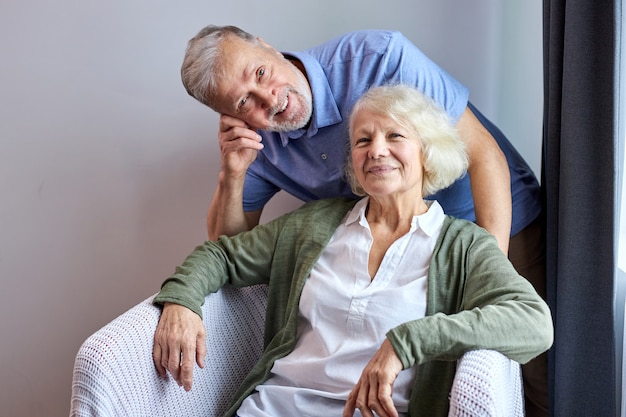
x: 375, y: 387
x: 238, y: 145
x: 179, y: 341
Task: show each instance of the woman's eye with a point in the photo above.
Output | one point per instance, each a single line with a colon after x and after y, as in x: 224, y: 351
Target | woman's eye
x: 361, y: 141
x: 396, y: 137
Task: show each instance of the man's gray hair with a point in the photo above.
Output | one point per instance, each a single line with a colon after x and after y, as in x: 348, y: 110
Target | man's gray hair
x: 201, y: 68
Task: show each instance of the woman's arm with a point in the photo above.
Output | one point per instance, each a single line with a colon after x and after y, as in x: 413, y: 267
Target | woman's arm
x: 180, y: 337
x: 241, y: 260
x: 476, y: 301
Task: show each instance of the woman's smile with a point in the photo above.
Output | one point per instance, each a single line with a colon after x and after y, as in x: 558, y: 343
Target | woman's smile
x: 380, y: 169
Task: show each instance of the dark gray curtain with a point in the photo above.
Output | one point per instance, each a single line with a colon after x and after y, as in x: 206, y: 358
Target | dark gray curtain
x: 578, y: 178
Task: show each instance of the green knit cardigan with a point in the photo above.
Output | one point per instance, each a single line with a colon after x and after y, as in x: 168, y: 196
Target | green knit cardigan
x: 475, y: 300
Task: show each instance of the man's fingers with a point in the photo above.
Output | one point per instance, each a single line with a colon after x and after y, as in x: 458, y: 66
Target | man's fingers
x: 228, y: 122
x: 241, y: 133
x: 231, y: 129
x: 239, y: 144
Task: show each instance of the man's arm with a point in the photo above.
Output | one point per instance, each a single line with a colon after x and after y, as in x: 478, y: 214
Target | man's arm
x: 226, y: 215
x: 238, y: 148
x: 489, y: 178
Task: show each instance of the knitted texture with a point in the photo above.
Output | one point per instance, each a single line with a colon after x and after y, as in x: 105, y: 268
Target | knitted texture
x: 114, y: 375
x: 487, y: 384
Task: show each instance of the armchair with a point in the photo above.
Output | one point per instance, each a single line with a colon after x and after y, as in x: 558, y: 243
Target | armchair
x: 114, y: 374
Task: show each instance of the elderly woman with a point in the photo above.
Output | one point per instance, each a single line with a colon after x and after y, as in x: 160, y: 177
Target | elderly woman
x: 370, y: 301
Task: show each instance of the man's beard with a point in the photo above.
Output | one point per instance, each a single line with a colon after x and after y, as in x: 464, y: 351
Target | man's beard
x: 301, y: 118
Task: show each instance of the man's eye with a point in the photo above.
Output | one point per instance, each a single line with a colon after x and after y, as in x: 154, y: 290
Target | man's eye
x: 242, y: 102
x: 260, y: 73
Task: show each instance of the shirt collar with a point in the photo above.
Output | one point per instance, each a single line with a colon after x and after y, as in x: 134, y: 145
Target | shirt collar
x: 431, y: 221
x: 428, y: 222
x: 358, y: 211
x: 325, y: 109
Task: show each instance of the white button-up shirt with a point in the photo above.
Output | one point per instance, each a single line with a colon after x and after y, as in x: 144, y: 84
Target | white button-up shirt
x: 344, y: 316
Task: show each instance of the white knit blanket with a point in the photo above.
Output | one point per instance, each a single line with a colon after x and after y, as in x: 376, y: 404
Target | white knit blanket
x: 114, y: 374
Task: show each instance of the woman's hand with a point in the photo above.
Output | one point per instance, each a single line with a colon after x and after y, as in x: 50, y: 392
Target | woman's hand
x: 179, y: 341
x: 373, y: 391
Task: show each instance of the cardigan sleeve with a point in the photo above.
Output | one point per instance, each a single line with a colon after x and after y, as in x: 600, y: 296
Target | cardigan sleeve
x: 476, y: 300
x: 275, y: 251
x: 242, y: 260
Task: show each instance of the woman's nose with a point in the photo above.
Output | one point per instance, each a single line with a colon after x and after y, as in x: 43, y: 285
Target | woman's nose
x: 378, y: 148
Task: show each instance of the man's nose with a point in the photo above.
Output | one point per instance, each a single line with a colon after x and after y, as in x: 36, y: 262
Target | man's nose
x: 268, y: 98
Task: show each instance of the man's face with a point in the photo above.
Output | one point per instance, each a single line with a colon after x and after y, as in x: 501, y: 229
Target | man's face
x: 262, y: 88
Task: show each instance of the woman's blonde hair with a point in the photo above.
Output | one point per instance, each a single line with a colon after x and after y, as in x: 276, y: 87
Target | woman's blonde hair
x: 444, y: 156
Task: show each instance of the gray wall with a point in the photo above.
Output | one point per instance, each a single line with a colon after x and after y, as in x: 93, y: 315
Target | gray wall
x: 107, y: 166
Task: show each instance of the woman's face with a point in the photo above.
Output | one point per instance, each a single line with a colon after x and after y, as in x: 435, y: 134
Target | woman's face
x: 386, y: 157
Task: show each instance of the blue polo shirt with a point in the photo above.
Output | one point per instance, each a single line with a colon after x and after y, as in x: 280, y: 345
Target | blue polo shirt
x: 308, y: 163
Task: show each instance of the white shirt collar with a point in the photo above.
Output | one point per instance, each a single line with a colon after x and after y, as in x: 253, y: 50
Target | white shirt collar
x: 428, y: 222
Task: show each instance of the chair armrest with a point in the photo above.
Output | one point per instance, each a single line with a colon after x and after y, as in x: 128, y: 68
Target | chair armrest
x: 487, y: 384
x: 114, y: 374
